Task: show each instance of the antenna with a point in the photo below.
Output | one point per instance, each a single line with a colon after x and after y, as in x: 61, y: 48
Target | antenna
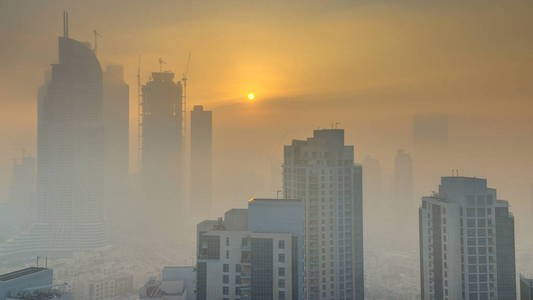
x: 37, y: 261
x: 65, y: 23
x: 96, y: 36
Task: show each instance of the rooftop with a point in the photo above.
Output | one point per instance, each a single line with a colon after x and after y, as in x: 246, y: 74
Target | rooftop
x: 20, y: 273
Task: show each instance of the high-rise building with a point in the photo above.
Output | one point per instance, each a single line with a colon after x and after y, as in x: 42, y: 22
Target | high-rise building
x: 526, y: 288
x: 466, y: 242
x: 70, y: 155
x: 403, y: 206
x: 201, y: 161
x: 116, y: 122
x: 116, y: 141
x: 321, y: 172
x: 162, y: 151
x: 254, y: 253
x: 22, y: 193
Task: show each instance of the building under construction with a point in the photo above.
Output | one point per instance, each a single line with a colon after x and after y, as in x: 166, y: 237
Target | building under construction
x: 161, y: 141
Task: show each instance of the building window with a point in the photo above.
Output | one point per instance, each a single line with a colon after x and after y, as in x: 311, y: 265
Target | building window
x: 225, y: 290
x: 225, y: 268
x: 237, y: 279
x: 227, y: 254
x: 281, y: 283
x: 281, y: 272
x: 227, y: 241
x: 237, y: 291
x: 281, y: 257
x: 281, y: 295
x: 281, y: 244
x: 238, y: 268
x: 225, y: 279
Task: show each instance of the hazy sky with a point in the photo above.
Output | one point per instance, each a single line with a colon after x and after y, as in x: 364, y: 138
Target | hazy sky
x: 370, y: 65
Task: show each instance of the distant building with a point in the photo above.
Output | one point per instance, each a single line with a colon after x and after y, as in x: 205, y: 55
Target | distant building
x: 373, y: 184
x: 321, y: 172
x: 526, y: 288
x: 110, y: 288
x: 31, y: 283
x: 253, y: 254
x: 116, y: 141
x: 466, y: 243
x: 201, y: 161
x: 176, y: 283
x: 162, y: 152
x: 70, y: 157
x: 403, y: 206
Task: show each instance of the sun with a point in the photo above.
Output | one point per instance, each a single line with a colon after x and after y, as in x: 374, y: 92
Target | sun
x: 251, y: 96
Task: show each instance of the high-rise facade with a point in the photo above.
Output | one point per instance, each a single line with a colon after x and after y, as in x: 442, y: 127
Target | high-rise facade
x: 70, y: 154
x: 116, y: 122
x: 162, y: 151
x: 254, y: 253
x: 321, y: 172
x: 201, y: 161
x: 116, y: 143
x: 466, y: 243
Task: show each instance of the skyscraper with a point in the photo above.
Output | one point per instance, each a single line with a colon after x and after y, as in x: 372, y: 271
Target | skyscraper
x: 403, y: 206
x: 201, y: 161
x: 466, y: 242
x: 71, y: 150
x: 116, y: 140
x: 161, y: 156
x: 116, y: 122
x: 321, y: 172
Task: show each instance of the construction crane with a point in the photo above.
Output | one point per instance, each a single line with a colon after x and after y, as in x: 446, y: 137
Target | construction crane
x: 184, y: 79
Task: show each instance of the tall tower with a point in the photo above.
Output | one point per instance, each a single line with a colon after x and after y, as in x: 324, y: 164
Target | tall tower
x: 70, y: 150
x: 466, y: 243
x: 321, y: 172
x: 201, y: 161
x: 116, y: 140
x: 162, y: 151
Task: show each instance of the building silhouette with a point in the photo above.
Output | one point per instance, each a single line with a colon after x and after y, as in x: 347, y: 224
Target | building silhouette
x: 162, y: 152
x: 254, y: 253
x: 116, y: 141
x: 201, y: 161
x: 466, y: 242
x: 321, y: 172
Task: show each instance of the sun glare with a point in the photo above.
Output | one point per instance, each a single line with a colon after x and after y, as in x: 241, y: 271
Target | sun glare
x: 251, y: 96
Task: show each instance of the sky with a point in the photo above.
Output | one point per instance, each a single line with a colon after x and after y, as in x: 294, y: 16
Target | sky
x: 369, y: 66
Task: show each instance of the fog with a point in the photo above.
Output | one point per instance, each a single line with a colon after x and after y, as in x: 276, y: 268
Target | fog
x: 369, y: 67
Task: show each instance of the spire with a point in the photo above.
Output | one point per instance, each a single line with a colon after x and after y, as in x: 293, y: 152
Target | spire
x: 65, y: 24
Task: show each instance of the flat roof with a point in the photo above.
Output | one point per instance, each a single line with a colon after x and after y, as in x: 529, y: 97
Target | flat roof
x: 274, y: 200
x: 20, y: 273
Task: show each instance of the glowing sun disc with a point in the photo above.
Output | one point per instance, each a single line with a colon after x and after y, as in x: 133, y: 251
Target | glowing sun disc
x: 251, y: 96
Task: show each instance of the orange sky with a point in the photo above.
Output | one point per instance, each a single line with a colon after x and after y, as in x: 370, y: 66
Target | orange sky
x: 370, y: 65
